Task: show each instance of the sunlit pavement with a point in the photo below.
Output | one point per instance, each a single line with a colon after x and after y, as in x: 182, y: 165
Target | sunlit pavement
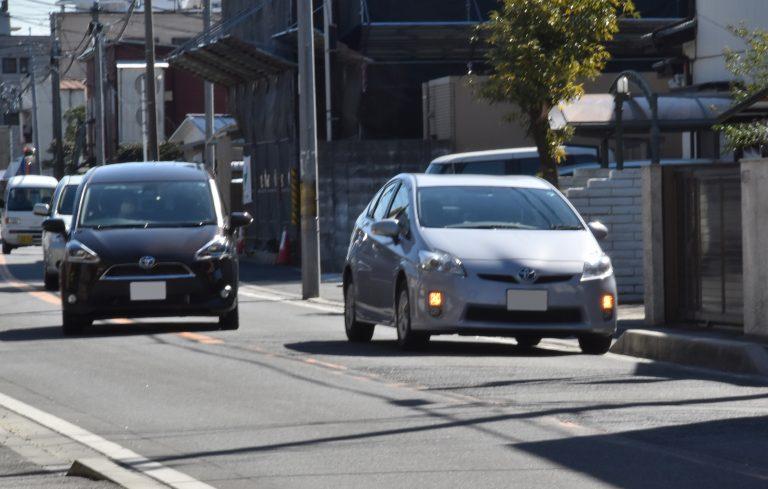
x: 287, y: 402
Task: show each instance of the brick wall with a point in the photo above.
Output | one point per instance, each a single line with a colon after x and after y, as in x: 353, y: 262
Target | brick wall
x: 614, y: 198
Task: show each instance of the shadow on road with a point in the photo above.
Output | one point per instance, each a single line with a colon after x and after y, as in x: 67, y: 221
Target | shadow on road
x: 436, y: 348
x: 26, y: 271
x: 104, y: 330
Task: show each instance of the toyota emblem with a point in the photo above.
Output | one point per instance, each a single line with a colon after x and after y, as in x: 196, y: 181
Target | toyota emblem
x: 147, y: 262
x: 527, y: 275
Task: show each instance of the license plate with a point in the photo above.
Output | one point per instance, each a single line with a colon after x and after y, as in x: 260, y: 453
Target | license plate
x: 147, y: 291
x: 527, y: 300
x: 25, y: 239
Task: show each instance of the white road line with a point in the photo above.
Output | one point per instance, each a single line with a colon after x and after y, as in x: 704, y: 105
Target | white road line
x: 113, y: 451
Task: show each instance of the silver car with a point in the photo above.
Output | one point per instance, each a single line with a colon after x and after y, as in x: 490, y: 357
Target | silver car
x: 478, y: 255
x: 53, y: 243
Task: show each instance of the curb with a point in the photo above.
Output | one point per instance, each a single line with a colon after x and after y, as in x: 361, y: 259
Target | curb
x: 738, y: 357
x: 103, y: 469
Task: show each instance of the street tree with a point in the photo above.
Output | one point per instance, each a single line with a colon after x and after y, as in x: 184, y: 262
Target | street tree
x: 540, y: 52
x: 750, y: 69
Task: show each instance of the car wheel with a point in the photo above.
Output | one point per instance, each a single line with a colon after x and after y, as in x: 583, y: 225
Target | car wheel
x: 7, y: 248
x: 74, y: 324
x: 406, y: 337
x: 230, y: 320
x: 527, y: 341
x: 595, y: 344
x: 51, y: 281
x: 357, y: 332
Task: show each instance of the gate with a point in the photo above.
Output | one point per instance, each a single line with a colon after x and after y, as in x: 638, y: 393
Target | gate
x: 703, y: 253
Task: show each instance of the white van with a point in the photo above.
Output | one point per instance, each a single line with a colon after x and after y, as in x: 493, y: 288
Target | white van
x: 20, y: 226
x: 511, y: 161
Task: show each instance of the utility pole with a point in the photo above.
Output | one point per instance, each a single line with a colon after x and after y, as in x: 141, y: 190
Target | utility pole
x: 58, y: 146
x: 209, y: 155
x: 35, y: 132
x: 310, y: 228
x: 98, y: 63
x: 153, y: 152
x: 327, y: 23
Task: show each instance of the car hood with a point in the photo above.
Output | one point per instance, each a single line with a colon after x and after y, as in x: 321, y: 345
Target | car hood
x: 128, y: 245
x: 513, y: 245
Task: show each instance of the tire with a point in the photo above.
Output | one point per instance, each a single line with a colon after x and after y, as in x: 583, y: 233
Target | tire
x: 74, y: 324
x: 527, y: 341
x: 51, y: 281
x: 595, y: 344
x: 407, y: 339
x: 357, y: 331
x: 230, y: 320
x: 7, y: 248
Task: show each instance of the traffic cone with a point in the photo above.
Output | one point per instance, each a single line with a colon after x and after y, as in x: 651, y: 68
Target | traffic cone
x: 284, y: 253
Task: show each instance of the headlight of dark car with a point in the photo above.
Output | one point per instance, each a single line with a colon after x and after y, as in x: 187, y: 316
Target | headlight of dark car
x: 216, y: 249
x: 77, y: 252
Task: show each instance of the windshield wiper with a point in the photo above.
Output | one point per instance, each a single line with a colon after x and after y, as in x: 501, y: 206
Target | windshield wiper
x: 195, y: 224
x: 99, y: 227
x: 490, y: 226
x: 566, y: 227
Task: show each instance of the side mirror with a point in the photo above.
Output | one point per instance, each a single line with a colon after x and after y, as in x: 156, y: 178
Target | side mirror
x: 599, y: 231
x: 387, y: 227
x: 55, y: 226
x: 239, y: 219
x: 41, y: 209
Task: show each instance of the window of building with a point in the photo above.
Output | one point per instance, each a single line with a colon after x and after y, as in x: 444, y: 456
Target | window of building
x: 23, y: 65
x: 9, y: 65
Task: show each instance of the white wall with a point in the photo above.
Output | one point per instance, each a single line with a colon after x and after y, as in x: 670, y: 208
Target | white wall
x: 714, y: 17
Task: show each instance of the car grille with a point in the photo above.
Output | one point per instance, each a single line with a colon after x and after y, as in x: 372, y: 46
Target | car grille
x: 546, y: 279
x: 128, y: 271
x: 490, y: 314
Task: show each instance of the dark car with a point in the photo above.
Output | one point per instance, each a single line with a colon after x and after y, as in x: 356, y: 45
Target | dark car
x: 148, y: 240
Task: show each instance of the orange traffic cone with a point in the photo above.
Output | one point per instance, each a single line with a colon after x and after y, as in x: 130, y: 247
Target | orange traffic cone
x: 284, y: 253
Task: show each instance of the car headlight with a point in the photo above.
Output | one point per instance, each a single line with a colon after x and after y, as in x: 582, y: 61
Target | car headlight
x: 77, y: 252
x: 441, y: 262
x: 597, y: 268
x: 13, y: 220
x: 216, y: 249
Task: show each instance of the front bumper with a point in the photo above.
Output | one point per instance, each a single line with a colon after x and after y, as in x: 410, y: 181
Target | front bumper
x: 196, y: 295
x: 478, y: 307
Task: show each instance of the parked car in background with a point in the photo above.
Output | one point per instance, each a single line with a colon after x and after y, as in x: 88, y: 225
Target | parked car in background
x: 566, y: 171
x: 478, y: 255
x: 20, y: 226
x: 61, y: 207
x: 512, y: 161
x: 148, y: 240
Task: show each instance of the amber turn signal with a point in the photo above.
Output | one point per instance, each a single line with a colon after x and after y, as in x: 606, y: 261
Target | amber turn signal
x: 435, y: 299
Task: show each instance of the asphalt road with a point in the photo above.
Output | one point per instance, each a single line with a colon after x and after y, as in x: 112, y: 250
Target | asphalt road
x: 285, y: 402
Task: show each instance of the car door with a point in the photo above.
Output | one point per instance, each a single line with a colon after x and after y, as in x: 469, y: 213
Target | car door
x: 367, y: 285
x: 389, y: 252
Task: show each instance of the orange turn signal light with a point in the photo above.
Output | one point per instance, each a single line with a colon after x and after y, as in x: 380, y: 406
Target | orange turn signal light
x: 435, y: 299
x: 607, y: 303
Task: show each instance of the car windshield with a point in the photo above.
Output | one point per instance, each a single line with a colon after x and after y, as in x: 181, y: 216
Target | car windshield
x: 25, y: 198
x: 147, y: 204
x: 495, y: 208
x: 67, y: 200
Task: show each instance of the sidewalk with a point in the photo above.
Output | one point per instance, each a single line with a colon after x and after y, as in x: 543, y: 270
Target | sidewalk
x: 722, y: 350
x: 18, y: 473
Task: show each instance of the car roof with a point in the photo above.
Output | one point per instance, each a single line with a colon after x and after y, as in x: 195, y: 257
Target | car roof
x: 523, y: 181
x: 147, y: 172
x: 32, y: 181
x: 503, y: 153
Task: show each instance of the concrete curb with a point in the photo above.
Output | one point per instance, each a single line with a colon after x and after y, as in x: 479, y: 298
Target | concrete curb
x: 100, y: 469
x: 739, y: 357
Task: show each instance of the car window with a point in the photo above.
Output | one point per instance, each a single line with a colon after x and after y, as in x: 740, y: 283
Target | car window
x: 524, y: 166
x: 25, y: 198
x: 495, y: 208
x: 384, y: 200
x: 498, y: 167
x: 67, y: 200
x: 148, y: 204
x: 440, y: 168
x: 400, y: 203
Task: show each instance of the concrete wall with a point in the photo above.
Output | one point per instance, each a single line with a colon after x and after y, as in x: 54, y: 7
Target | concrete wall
x: 614, y: 198
x: 350, y: 174
x: 754, y: 224
x: 714, y: 16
